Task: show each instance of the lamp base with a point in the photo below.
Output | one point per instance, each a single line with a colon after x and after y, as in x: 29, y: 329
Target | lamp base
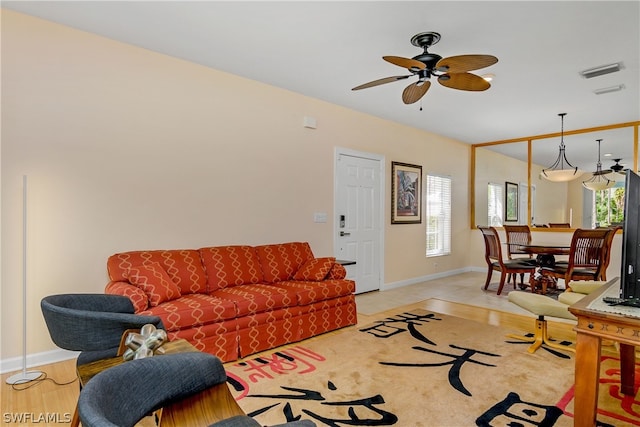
x: 23, y: 377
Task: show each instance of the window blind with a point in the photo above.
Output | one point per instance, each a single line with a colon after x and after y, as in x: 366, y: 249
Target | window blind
x: 438, y: 216
x: 495, y: 216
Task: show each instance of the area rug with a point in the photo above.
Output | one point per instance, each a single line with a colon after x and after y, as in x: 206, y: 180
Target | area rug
x: 413, y: 368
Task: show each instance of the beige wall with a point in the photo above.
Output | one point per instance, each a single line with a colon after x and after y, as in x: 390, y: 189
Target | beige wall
x: 128, y: 149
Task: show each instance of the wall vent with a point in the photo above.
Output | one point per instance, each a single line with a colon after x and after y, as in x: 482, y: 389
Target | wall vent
x: 609, y: 89
x: 601, y: 70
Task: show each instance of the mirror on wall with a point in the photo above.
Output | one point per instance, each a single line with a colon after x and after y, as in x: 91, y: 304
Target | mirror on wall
x: 498, y: 166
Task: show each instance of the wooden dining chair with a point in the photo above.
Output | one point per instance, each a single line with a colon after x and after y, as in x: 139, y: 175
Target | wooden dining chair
x: 607, y: 247
x: 586, y: 257
x: 518, y: 235
x: 559, y: 225
x: 495, y: 262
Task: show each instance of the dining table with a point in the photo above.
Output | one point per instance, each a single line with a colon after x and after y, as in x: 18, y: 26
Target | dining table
x: 545, y: 252
x: 545, y: 257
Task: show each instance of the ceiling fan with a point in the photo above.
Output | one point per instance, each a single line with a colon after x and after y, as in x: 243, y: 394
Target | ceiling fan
x: 619, y: 169
x: 452, y: 72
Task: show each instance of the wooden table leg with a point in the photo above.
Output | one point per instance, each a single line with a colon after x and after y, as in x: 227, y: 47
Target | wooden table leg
x: 627, y: 368
x: 75, y: 421
x: 586, y: 380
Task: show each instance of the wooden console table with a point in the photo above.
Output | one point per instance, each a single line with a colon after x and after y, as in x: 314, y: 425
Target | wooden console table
x: 89, y: 370
x: 594, y: 326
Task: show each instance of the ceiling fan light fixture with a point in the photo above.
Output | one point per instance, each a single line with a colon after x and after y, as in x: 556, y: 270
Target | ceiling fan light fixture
x: 557, y: 171
x: 599, y: 180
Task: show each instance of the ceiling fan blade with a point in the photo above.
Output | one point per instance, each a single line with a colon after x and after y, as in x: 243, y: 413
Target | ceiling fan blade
x: 409, y: 64
x: 464, y: 81
x: 381, y: 82
x: 603, y: 172
x: 415, y: 91
x: 464, y: 63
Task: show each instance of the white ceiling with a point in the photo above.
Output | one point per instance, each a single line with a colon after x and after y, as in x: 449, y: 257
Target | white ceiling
x: 323, y: 49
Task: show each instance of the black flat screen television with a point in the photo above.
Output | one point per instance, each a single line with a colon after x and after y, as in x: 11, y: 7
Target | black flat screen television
x: 630, y: 265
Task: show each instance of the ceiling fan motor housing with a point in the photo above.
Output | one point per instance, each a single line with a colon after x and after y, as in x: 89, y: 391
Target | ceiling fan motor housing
x: 429, y: 59
x: 426, y: 40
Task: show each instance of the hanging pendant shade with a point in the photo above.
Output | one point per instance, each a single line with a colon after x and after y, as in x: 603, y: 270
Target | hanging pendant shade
x: 561, y: 170
x: 599, y: 180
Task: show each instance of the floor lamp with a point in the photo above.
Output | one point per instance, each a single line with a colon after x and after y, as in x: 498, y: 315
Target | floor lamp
x: 24, y: 376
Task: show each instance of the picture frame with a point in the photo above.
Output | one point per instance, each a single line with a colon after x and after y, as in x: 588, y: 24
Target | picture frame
x: 406, y: 193
x: 510, y: 201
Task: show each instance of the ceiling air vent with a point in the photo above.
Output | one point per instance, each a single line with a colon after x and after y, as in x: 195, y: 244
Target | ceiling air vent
x: 609, y: 89
x: 601, y: 70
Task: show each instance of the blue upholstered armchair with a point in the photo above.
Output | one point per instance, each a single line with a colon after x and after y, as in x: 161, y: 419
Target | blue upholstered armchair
x: 91, y: 323
x: 190, y: 387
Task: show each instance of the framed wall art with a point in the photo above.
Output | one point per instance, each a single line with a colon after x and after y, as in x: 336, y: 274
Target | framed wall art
x: 406, y: 193
x: 511, y: 201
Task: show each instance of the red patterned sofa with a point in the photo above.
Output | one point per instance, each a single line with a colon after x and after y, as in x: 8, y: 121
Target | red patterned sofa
x: 233, y: 301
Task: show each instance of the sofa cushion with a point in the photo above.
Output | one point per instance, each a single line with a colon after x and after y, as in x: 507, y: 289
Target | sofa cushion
x: 193, y: 310
x: 257, y: 298
x: 230, y: 266
x: 280, y: 261
x: 312, y: 292
x: 315, y: 269
x: 154, y: 281
x: 138, y: 298
x: 183, y: 266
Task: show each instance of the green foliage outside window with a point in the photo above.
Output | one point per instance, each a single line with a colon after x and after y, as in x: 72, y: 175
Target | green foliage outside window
x: 609, y: 206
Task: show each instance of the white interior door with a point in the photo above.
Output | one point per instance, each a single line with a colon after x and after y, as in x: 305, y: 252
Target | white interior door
x: 358, y: 213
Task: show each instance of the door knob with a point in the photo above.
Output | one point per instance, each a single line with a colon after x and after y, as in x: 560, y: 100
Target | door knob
x: 342, y: 234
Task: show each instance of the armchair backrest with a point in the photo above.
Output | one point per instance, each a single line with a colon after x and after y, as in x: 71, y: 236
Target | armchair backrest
x: 91, y: 322
x: 122, y: 395
x: 190, y: 388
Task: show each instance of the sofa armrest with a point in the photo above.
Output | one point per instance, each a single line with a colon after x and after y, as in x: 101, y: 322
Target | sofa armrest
x: 138, y: 298
x: 337, y: 272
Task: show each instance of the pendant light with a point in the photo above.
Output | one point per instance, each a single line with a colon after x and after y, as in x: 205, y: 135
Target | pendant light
x: 557, y: 172
x: 599, y: 180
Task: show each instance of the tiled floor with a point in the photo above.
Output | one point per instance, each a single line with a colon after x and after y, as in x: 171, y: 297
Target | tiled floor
x: 463, y: 288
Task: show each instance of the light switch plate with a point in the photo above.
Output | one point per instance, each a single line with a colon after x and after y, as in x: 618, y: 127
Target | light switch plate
x: 320, y: 217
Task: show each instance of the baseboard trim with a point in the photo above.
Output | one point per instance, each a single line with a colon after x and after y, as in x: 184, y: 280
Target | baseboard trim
x: 414, y: 280
x: 37, y: 359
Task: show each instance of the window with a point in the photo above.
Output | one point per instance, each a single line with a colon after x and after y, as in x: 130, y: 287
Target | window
x: 438, y: 216
x: 495, y: 205
x: 609, y: 206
